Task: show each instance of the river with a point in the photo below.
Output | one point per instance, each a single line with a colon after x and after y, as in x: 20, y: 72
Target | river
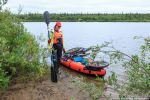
x: 85, y: 34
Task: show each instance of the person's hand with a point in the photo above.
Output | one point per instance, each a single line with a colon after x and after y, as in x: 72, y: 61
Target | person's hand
x: 49, y: 41
x: 64, y: 51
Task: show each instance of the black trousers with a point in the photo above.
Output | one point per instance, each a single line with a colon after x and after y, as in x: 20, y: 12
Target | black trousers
x: 59, y: 48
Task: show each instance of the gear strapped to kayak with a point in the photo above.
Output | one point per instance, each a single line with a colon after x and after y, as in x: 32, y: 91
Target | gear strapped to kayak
x: 76, y: 60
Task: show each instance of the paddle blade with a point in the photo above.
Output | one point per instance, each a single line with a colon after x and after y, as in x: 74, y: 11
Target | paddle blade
x: 46, y: 17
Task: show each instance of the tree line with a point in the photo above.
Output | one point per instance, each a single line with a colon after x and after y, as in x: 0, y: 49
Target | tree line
x: 66, y: 17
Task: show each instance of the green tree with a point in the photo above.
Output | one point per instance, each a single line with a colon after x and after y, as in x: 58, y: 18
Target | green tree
x: 2, y: 2
x: 20, y: 53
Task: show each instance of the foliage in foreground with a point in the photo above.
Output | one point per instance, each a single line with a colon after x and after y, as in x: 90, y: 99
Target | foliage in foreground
x: 137, y: 68
x: 95, y: 92
x: 19, y: 51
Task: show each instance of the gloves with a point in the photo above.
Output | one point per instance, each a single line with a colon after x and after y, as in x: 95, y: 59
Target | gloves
x: 64, y: 51
x: 49, y: 41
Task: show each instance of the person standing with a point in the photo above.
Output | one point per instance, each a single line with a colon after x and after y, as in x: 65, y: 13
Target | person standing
x: 57, y: 41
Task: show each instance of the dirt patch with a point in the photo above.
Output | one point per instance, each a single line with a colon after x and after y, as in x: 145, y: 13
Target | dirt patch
x: 45, y: 90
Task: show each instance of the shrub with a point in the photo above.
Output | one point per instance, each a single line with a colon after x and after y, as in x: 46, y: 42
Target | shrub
x: 19, y: 50
x: 137, y: 67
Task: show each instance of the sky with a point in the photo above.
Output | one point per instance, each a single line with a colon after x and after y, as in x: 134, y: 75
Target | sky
x: 79, y: 6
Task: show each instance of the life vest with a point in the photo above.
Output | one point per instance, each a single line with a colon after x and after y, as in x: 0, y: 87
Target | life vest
x: 58, y: 38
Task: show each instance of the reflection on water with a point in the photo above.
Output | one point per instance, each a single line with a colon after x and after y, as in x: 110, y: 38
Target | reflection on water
x: 85, y: 34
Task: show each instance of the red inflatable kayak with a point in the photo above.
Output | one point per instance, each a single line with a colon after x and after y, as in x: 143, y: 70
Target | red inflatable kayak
x: 78, y: 66
x: 74, y: 59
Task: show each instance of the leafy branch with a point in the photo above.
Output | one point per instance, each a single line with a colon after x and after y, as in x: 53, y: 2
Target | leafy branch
x: 137, y: 66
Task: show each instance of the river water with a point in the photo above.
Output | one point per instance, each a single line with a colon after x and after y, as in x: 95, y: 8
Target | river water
x: 85, y: 34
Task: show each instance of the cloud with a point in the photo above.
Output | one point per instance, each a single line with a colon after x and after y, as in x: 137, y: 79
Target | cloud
x: 78, y: 6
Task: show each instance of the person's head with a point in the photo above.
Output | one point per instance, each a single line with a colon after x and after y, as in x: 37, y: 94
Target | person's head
x: 57, y: 26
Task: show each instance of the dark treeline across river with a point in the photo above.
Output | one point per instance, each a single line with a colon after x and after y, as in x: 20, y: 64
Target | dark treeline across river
x: 65, y: 17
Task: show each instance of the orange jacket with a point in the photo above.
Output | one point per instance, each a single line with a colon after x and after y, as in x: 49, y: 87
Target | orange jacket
x: 58, y: 38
